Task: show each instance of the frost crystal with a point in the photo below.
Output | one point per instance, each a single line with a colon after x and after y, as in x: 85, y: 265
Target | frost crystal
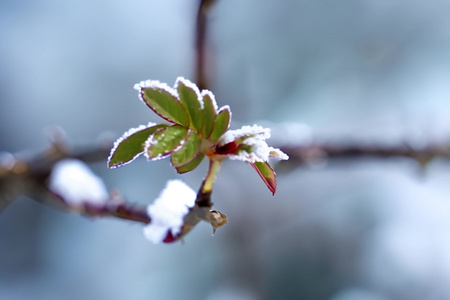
x: 246, y: 131
x: 252, y: 146
x: 191, y: 85
x: 127, y: 134
x: 75, y: 183
x: 155, y: 84
x: 168, y: 211
x: 213, y: 98
x: 277, y: 153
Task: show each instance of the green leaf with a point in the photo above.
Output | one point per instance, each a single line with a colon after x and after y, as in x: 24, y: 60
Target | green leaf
x: 165, y: 104
x: 209, y: 113
x: 165, y: 141
x: 267, y: 174
x: 131, y: 145
x: 221, y: 123
x: 188, y: 151
x: 192, y: 102
x: 191, y: 165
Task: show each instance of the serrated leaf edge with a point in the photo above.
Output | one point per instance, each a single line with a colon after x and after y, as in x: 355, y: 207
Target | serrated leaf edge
x: 155, y: 85
x: 223, y: 108
x: 182, y: 144
x: 191, y: 85
x: 213, y: 98
x: 159, y: 156
x: 124, y: 136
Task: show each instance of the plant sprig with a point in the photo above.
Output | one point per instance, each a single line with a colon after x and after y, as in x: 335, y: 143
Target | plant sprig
x: 197, y: 128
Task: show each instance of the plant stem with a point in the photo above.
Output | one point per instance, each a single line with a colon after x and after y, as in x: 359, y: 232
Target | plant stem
x: 214, y: 167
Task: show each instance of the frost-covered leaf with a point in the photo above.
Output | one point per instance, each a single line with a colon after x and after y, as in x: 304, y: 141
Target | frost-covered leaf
x: 191, y: 165
x: 165, y: 141
x: 163, y: 100
x: 131, y: 145
x: 248, y: 144
x: 277, y: 153
x: 221, y: 123
x: 267, y: 174
x: 191, y: 99
x: 209, y: 113
x: 188, y: 151
x: 245, y: 133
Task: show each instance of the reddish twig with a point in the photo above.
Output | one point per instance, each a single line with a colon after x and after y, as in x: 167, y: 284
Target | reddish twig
x: 201, y: 77
x: 318, y: 152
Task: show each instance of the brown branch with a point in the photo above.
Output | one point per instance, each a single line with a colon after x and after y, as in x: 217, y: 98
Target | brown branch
x: 30, y: 177
x: 201, y: 32
x: 112, y: 208
x: 318, y: 152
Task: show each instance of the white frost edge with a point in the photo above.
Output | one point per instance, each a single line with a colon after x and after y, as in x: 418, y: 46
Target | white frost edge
x: 257, y: 136
x: 191, y: 85
x: 167, y: 212
x: 258, y: 132
x: 277, y: 153
x: 225, y: 107
x: 213, y: 98
x: 150, y: 142
x: 155, y: 84
x: 75, y: 183
x: 127, y: 134
x: 261, y: 152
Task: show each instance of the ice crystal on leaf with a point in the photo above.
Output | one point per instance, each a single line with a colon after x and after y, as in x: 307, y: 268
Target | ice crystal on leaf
x: 155, y: 84
x: 209, y: 94
x: 134, y: 136
x: 168, y: 211
x: 249, y: 145
x: 197, y: 129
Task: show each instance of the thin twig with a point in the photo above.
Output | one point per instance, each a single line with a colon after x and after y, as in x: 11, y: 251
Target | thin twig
x: 201, y: 32
x: 318, y: 152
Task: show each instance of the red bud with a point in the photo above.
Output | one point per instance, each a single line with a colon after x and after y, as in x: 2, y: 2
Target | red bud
x: 227, y: 148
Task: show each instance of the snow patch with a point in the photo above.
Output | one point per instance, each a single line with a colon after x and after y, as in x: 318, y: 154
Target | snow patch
x: 253, y: 136
x: 168, y: 211
x: 249, y: 131
x: 75, y: 183
x: 277, y: 153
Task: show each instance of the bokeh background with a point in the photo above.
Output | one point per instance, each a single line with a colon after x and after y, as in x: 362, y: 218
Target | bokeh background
x: 372, y: 71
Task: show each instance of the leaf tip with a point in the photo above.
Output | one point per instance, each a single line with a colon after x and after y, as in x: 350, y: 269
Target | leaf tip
x: 267, y: 174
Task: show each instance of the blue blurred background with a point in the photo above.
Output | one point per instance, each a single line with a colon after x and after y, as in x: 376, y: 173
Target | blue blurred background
x: 372, y: 71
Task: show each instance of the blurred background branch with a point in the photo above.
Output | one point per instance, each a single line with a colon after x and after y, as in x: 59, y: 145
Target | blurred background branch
x: 365, y: 77
x: 318, y: 153
x: 202, y: 75
x: 30, y: 176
